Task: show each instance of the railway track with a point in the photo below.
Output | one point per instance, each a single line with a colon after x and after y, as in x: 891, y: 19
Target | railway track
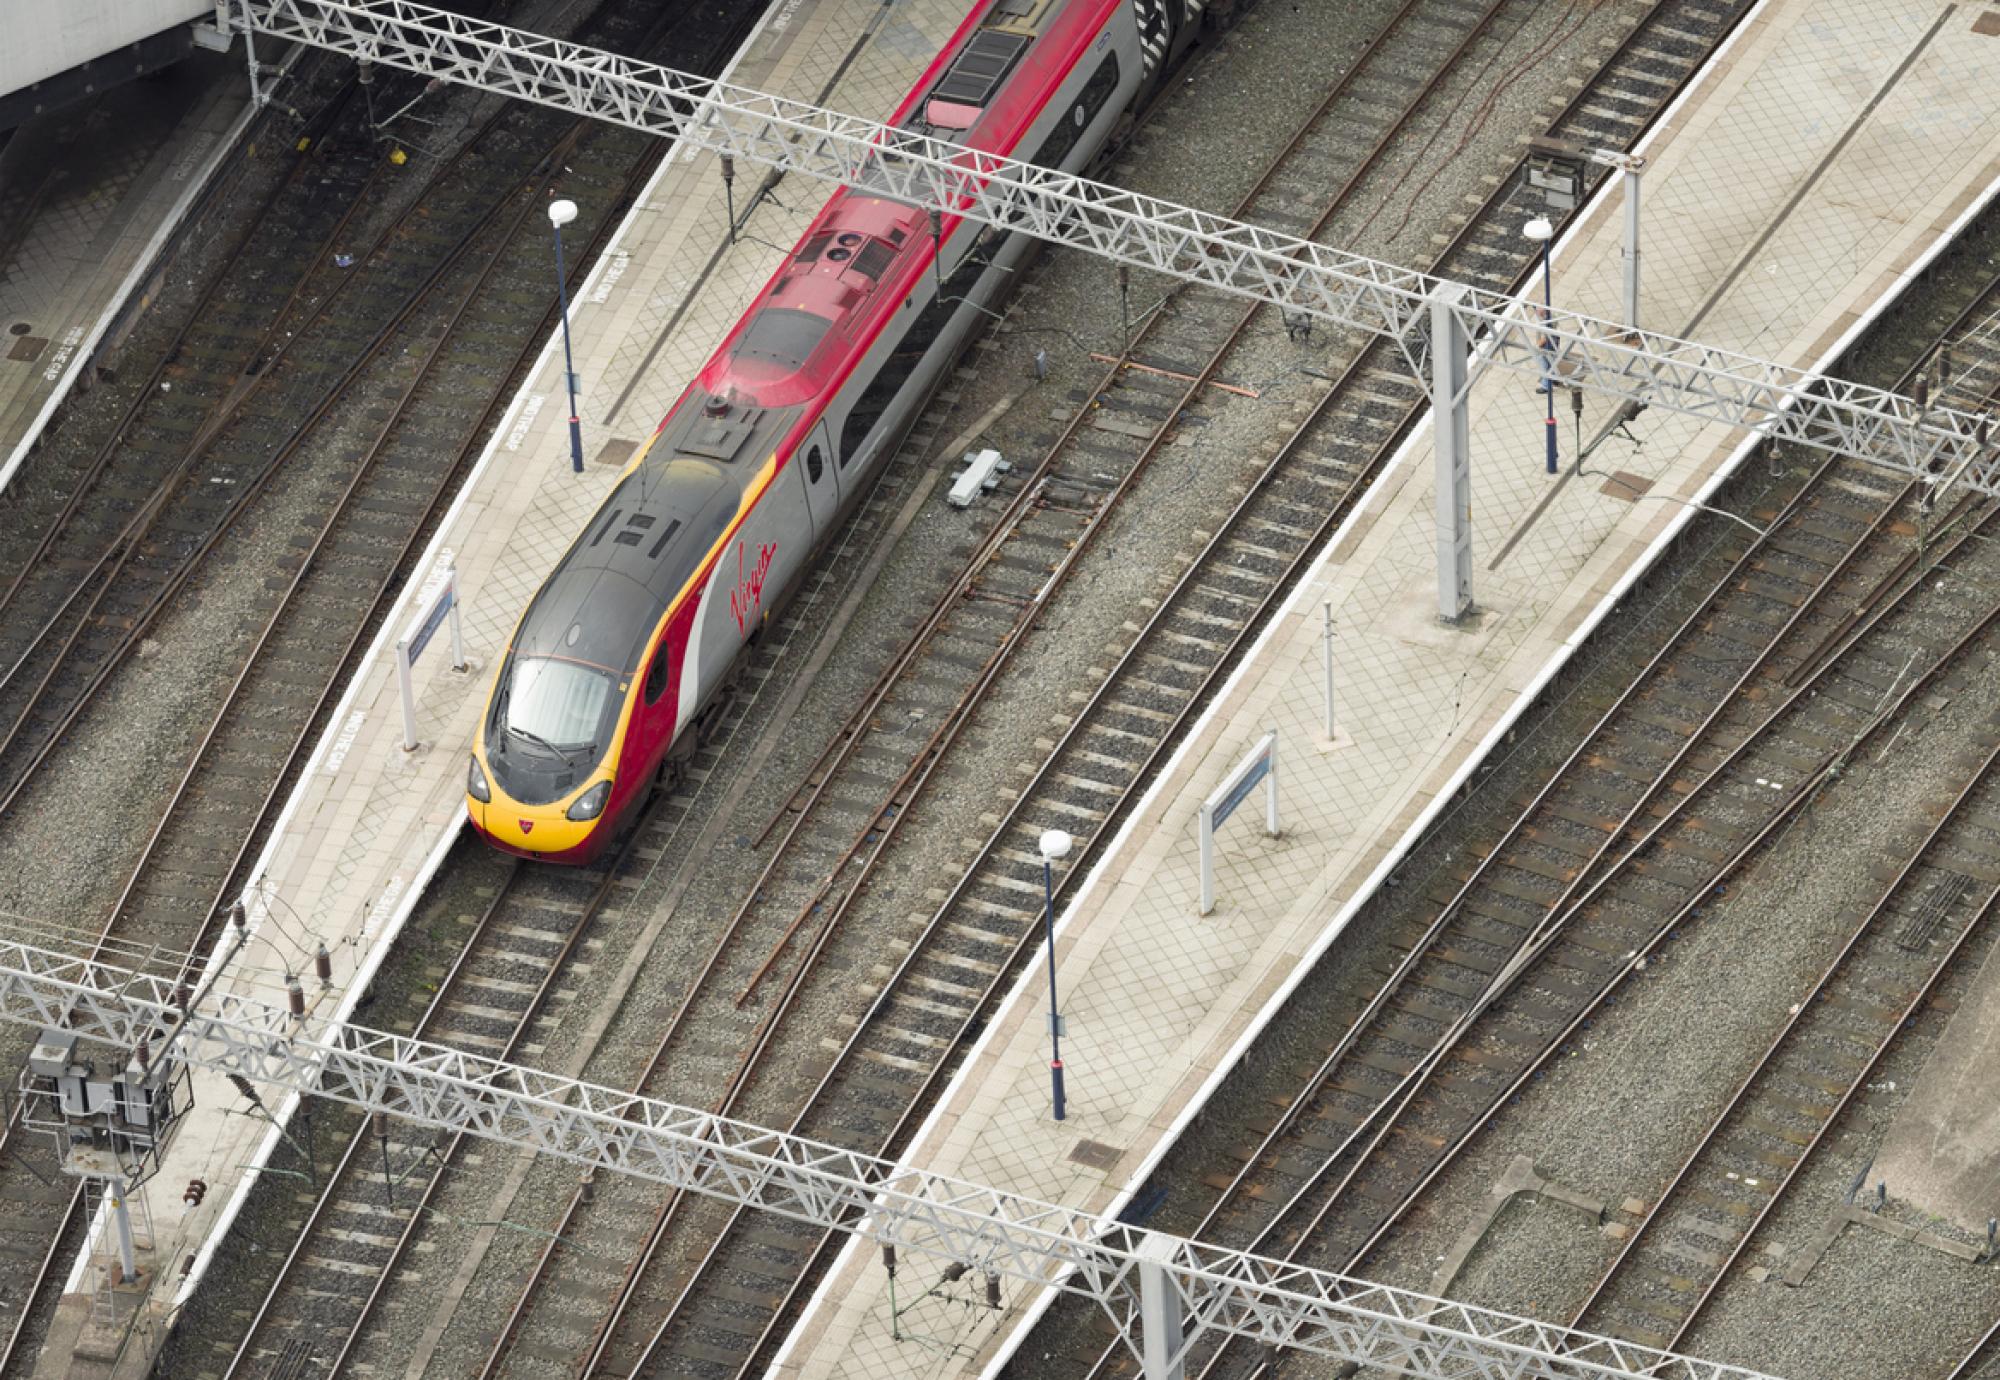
x: 1716, y: 743
x: 1933, y: 917
x: 116, y: 484
x: 1929, y: 920
x: 261, y: 279
x: 363, y: 1222
x: 387, y: 312
x: 933, y: 996
x: 1335, y: 1206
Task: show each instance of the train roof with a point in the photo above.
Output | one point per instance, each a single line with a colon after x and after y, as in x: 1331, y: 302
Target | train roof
x: 808, y: 328
x: 604, y: 600
x: 858, y: 260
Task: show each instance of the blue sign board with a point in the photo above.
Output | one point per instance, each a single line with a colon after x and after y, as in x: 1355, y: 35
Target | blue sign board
x: 432, y: 622
x: 1227, y: 806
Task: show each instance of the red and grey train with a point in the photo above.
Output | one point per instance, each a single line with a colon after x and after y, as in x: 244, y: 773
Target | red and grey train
x: 619, y: 658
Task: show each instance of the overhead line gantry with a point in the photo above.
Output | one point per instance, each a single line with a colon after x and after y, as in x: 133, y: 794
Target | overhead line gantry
x: 1435, y: 323
x: 1162, y: 1292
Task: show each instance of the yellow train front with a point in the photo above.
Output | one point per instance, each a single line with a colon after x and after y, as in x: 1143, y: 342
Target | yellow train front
x: 613, y: 666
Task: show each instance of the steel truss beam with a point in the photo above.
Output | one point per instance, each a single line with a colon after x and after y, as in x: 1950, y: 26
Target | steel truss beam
x: 1297, y: 275
x: 1219, y: 1291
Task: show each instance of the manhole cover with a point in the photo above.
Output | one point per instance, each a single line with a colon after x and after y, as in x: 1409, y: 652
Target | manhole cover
x: 19, y: 328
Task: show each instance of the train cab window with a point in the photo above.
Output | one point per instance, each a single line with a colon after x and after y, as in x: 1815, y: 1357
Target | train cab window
x: 815, y: 464
x: 656, y: 675
x: 557, y: 703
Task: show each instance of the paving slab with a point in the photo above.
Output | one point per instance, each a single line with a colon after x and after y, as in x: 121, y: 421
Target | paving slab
x: 1806, y: 175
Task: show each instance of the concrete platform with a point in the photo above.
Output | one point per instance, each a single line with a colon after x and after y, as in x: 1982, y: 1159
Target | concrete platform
x: 1825, y: 155
x: 368, y: 823
x: 1942, y: 1153
x: 89, y: 197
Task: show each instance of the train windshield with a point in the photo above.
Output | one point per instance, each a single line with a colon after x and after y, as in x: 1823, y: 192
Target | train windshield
x: 556, y: 704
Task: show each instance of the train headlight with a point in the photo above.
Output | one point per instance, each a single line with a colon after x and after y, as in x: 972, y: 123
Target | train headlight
x: 475, y: 783
x: 590, y: 804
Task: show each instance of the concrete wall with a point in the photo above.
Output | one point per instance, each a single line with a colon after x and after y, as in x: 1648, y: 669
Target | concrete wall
x: 44, y: 37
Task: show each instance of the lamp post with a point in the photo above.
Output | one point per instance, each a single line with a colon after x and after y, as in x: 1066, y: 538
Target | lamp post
x: 1055, y: 844
x: 561, y: 213
x: 1541, y: 232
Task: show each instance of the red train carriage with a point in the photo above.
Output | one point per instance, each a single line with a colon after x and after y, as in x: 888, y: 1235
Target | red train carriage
x: 619, y: 657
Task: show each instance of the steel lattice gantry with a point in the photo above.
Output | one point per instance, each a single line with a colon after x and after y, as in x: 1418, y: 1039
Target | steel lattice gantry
x: 1183, y: 1289
x: 1328, y: 284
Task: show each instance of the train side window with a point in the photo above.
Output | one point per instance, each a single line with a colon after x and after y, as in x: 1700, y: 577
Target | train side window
x: 917, y: 341
x: 1095, y: 93
x: 870, y: 406
x: 656, y: 675
x: 815, y: 464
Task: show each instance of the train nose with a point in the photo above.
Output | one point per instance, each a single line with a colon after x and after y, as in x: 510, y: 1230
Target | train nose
x: 525, y: 831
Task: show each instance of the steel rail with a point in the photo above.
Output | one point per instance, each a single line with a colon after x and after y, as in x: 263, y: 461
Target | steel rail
x: 1794, y: 802
x: 271, y: 348
x: 1800, y: 1013
x: 240, y: 504
x: 45, y: 1273
x: 324, y: 1202
x: 1973, y: 1364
